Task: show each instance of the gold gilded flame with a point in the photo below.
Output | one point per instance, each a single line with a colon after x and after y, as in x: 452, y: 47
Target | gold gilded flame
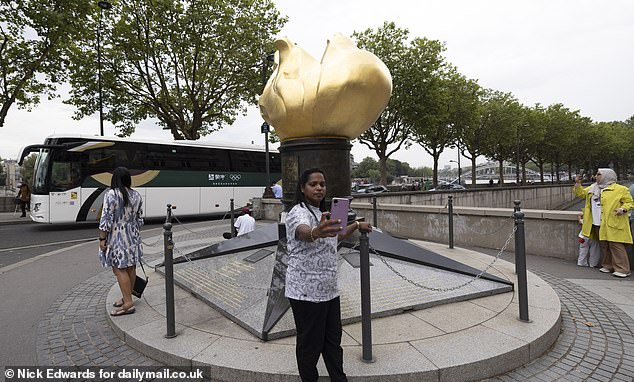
x: 341, y: 96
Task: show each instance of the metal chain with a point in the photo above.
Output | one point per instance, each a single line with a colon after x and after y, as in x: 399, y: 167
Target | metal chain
x: 159, y: 240
x: 198, y: 234
x: 479, y: 275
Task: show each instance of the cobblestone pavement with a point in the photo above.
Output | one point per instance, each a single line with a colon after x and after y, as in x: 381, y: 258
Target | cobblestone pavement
x: 596, y: 342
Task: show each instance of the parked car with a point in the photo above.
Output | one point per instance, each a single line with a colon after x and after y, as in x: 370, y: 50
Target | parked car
x: 360, y: 188
x: 448, y: 187
x: 377, y: 189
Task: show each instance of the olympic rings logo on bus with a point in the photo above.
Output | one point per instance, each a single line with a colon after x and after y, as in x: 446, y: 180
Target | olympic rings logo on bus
x: 223, y: 177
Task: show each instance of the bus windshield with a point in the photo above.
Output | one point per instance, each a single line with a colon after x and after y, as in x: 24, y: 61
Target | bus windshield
x: 56, y: 170
x: 40, y: 173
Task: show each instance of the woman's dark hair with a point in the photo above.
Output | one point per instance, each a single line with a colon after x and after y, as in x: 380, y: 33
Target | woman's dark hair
x: 303, y: 179
x: 122, y: 181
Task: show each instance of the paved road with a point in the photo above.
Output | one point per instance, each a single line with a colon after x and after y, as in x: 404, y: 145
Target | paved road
x: 32, y: 279
x: 19, y: 242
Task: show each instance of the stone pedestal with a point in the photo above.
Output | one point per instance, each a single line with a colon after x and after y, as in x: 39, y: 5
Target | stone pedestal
x: 331, y: 155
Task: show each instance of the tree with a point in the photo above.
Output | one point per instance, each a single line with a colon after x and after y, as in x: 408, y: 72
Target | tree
x: 504, y: 116
x: 535, y: 150
x: 559, y: 135
x: 363, y: 169
x: 471, y: 131
x: 34, y: 36
x: 193, y: 65
x: 434, y: 112
x: 388, y: 134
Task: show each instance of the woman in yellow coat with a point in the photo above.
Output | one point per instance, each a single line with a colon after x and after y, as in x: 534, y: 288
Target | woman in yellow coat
x: 605, y: 218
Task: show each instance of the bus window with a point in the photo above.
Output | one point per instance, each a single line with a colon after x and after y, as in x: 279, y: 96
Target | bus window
x: 64, y: 176
x: 41, y: 172
x: 248, y: 161
x: 106, y: 159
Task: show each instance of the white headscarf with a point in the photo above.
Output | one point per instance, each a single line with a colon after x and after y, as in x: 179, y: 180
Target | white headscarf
x: 608, y: 176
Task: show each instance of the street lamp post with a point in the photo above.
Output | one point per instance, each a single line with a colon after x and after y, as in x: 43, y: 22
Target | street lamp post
x: 458, y: 162
x: 102, y: 5
x: 268, y: 192
x: 453, y: 161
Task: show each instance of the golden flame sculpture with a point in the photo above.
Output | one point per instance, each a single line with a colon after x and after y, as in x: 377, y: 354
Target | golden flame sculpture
x: 341, y: 96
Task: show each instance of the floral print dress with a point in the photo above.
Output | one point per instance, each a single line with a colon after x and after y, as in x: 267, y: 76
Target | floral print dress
x: 123, y: 224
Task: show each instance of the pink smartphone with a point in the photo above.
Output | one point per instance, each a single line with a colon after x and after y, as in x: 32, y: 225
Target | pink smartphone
x: 339, y: 210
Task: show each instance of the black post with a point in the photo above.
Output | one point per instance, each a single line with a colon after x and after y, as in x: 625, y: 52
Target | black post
x: 376, y: 224
x: 233, y: 234
x: 450, y: 206
x: 102, y: 5
x: 520, y: 265
x: 516, y: 208
x: 366, y: 311
x: 459, y: 170
x: 168, y: 216
x: 268, y: 192
x: 168, y: 245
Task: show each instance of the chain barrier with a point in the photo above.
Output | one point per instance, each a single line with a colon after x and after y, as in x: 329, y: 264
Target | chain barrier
x: 194, y: 234
x: 478, y: 276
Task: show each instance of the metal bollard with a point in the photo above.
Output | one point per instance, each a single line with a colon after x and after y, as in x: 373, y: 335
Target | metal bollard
x: 376, y: 224
x: 168, y: 216
x: 168, y: 244
x: 516, y: 208
x: 233, y: 234
x: 450, y: 207
x: 520, y: 265
x: 366, y: 311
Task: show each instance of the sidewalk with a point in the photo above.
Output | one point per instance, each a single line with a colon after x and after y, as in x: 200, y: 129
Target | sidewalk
x: 9, y: 218
x: 596, y: 340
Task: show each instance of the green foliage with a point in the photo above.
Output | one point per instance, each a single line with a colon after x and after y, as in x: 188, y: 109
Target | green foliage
x: 369, y: 168
x: 440, y: 105
x: 194, y: 66
x: 34, y: 36
x: 388, y: 134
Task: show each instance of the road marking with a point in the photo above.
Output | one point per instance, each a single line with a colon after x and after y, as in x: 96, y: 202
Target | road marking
x: 47, y: 244
x: 80, y: 241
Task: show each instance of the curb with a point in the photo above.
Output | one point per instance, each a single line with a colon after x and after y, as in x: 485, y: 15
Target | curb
x: 11, y: 222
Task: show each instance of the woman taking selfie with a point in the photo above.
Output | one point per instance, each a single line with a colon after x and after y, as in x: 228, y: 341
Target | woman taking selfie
x: 120, y: 237
x: 311, y: 277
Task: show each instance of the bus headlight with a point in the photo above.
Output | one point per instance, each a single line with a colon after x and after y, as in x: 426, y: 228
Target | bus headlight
x: 36, y: 207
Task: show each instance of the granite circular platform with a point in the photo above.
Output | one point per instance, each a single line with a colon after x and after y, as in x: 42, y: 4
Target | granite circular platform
x: 461, y: 341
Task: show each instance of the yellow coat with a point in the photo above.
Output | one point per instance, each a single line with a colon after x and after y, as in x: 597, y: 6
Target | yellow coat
x: 613, y: 228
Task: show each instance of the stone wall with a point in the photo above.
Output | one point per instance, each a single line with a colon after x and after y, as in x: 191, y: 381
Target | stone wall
x: 549, y: 197
x: 548, y: 232
x: 7, y: 203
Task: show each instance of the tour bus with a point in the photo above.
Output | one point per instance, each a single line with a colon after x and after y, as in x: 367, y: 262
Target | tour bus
x: 72, y: 173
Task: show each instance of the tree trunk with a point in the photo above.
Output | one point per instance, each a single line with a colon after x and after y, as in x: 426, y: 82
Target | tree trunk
x: 473, y: 171
x: 383, y: 170
x: 501, y: 170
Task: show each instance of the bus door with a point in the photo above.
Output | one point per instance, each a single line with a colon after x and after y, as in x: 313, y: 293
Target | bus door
x: 65, y: 194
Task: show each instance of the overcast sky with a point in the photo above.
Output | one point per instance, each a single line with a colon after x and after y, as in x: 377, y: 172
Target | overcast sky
x: 577, y: 52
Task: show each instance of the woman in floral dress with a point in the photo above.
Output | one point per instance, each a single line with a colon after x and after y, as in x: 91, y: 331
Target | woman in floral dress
x: 119, y: 236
